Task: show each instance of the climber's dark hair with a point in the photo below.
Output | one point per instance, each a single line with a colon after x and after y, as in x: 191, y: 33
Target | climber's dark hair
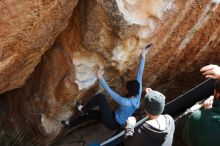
x: 133, y: 87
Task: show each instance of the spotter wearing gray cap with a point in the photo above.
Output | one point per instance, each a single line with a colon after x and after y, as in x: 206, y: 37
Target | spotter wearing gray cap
x: 154, y: 102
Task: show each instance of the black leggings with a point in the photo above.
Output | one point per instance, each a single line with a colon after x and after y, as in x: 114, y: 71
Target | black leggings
x: 105, y: 114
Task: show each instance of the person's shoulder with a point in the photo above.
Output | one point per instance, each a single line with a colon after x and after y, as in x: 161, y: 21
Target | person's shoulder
x: 169, y: 117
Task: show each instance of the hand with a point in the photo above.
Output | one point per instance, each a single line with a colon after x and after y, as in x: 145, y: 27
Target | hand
x: 145, y: 50
x: 131, y: 121
x: 211, y: 71
x: 207, y: 104
x: 147, y: 90
x: 129, y: 128
x: 99, y: 73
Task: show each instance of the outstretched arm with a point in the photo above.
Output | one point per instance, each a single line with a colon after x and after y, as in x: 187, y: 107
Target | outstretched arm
x: 141, y: 66
x: 120, y: 100
x: 211, y: 71
x: 140, y: 70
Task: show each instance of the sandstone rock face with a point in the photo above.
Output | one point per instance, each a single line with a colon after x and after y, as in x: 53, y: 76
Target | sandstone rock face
x: 27, y: 30
x: 100, y: 34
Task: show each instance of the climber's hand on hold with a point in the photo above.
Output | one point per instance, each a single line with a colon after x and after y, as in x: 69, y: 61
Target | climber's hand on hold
x: 145, y: 50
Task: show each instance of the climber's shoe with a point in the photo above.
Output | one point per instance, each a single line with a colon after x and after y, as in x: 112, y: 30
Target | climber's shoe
x: 65, y: 122
x: 78, y: 106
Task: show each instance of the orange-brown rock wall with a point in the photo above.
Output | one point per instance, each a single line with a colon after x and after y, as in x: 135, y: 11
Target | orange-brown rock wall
x: 27, y: 30
x: 52, y: 52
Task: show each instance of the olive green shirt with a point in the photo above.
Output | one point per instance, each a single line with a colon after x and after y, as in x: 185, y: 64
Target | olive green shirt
x: 203, y: 127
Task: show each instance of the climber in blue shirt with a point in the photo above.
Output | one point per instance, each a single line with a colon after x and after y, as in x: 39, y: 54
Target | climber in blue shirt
x: 126, y: 105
